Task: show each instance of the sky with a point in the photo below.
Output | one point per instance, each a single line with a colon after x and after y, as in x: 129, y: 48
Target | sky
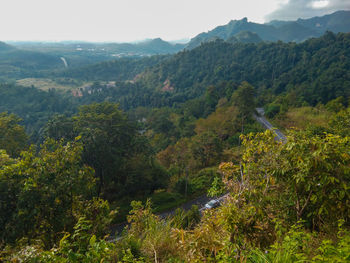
x: 135, y: 20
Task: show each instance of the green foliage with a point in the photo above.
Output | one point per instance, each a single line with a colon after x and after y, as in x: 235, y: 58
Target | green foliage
x: 98, y: 212
x: 298, y: 245
x: 243, y: 99
x: 223, y: 122
x: 311, y: 175
x: 163, y: 201
x: 81, y: 246
x: 330, y: 251
x: 186, y: 220
x: 217, y: 187
x: 294, y: 247
x: 115, y: 70
x: 316, y: 70
x: 5, y: 159
x: 272, y: 109
x: 13, y: 138
x: 313, y: 71
x: 336, y: 105
x: 154, y: 234
x: 202, y: 180
x: 304, y: 118
x: 340, y: 123
x: 34, y: 106
x: 40, y: 191
x: 17, y: 63
x: 119, y: 155
x: 319, y: 179
x: 107, y: 136
x: 257, y: 222
x: 207, y: 148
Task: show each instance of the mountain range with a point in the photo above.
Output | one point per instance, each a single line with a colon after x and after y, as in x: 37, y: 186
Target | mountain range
x: 286, y: 31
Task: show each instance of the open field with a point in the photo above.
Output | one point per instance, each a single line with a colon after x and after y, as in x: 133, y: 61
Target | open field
x: 46, y: 84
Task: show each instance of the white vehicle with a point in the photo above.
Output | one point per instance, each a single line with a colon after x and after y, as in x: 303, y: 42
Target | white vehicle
x: 212, y: 204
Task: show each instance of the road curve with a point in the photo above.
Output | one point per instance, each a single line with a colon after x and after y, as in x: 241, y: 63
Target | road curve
x: 264, y: 122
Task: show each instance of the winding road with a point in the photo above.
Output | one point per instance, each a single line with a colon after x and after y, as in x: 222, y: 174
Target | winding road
x: 202, y: 200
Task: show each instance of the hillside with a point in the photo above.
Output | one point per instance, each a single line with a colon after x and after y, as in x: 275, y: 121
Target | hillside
x: 286, y: 31
x: 317, y: 69
x: 116, y: 70
x: 16, y: 63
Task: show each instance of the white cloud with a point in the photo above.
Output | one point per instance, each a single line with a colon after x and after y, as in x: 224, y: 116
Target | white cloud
x: 294, y: 9
x: 319, y: 4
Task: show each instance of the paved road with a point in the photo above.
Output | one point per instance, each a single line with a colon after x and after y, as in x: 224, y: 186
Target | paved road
x: 262, y: 120
x: 199, y: 201
x: 202, y: 200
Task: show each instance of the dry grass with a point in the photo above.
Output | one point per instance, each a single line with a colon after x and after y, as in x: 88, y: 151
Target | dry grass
x: 301, y: 118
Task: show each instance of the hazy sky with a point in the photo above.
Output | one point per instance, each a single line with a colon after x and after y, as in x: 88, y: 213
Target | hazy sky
x: 130, y: 20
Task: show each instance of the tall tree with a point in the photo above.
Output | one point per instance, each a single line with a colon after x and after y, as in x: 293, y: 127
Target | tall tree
x: 13, y: 138
x: 120, y: 155
x: 108, y: 137
x: 243, y: 99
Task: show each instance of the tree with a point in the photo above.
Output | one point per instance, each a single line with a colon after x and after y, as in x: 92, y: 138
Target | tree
x: 207, y: 148
x: 340, y: 123
x: 308, y: 177
x: 120, y: 156
x: 13, y: 138
x: 40, y: 192
x: 60, y: 127
x: 336, y: 105
x: 243, y: 99
x: 107, y: 136
x: 221, y: 122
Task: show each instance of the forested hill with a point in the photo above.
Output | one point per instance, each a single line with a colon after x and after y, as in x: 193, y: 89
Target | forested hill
x: 16, y: 63
x: 318, y: 69
x: 286, y: 31
x: 116, y: 70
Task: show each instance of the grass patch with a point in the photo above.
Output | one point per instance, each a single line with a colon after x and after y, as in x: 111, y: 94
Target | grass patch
x: 302, y: 118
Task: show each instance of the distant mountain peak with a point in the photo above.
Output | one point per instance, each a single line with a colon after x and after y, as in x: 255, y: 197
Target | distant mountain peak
x: 243, y: 20
x: 158, y: 39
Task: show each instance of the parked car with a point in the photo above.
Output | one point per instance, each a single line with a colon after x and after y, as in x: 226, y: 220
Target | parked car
x: 212, y: 204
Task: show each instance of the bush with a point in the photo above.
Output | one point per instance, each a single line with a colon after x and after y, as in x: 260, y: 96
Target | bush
x: 272, y: 109
x: 203, y: 180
